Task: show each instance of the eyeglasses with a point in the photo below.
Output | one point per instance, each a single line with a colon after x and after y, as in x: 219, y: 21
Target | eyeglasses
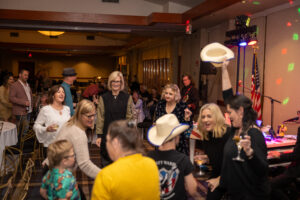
x: 115, y: 81
x: 91, y: 116
x: 70, y: 156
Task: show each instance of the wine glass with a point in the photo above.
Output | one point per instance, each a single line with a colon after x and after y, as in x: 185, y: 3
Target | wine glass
x: 237, y: 139
x: 200, y: 165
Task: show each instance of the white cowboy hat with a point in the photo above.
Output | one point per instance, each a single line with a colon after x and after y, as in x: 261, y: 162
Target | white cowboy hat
x: 216, y: 53
x: 166, y: 128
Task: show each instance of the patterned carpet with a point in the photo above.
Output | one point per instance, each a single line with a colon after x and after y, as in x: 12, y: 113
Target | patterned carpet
x: 85, y: 182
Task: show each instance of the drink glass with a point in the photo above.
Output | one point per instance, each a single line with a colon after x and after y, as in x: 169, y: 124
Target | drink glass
x: 200, y: 165
x: 237, y: 139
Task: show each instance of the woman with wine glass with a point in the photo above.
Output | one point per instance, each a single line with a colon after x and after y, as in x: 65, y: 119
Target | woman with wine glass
x: 214, y: 132
x: 51, y: 117
x: 244, y: 178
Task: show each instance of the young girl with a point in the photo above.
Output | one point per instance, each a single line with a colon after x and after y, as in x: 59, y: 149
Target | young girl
x: 59, y: 183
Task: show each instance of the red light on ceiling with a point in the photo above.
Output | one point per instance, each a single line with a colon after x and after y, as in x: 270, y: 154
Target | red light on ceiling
x: 29, y: 55
x: 288, y: 24
x: 291, y: 2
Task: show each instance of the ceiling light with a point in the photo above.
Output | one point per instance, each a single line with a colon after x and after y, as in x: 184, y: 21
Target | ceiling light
x: 51, y: 33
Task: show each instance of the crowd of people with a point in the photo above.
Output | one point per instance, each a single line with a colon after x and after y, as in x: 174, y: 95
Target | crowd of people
x: 126, y: 170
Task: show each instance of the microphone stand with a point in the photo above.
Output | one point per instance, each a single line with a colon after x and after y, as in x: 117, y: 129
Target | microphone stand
x: 272, y: 109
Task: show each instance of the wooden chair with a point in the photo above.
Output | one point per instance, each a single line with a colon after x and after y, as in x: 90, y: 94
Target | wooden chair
x: 8, y: 187
x: 22, y: 187
x: 10, y: 163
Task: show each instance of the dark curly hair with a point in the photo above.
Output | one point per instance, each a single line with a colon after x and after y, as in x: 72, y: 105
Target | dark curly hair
x: 250, y: 115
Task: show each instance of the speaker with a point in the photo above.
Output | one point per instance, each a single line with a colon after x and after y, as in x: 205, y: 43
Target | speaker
x: 207, y: 68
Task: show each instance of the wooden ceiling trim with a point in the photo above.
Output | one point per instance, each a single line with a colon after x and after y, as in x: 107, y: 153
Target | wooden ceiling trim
x: 69, y: 17
x: 29, y: 15
x: 56, y: 46
x: 206, y: 8
x: 172, y: 18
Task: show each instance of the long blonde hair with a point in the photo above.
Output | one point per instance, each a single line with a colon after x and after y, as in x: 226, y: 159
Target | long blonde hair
x: 83, y: 107
x: 220, y: 127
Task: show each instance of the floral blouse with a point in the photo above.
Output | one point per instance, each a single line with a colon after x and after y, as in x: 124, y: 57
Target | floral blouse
x: 179, y: 112
x: 60, y: 185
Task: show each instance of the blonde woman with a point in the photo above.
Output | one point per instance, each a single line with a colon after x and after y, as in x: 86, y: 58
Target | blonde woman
x: 114, y: 105
x: 170, y: 104
x: 74, y: 131
x: 214, y: 132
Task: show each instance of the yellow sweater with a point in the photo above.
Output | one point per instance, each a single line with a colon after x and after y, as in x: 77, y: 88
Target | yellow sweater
x: 133, y: 177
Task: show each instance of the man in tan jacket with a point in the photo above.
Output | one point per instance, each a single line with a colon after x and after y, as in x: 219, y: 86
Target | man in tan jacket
x: 20, y: 96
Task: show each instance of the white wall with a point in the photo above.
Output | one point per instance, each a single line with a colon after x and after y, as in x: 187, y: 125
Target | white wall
x: 125, y: 7
x: 273, y: 36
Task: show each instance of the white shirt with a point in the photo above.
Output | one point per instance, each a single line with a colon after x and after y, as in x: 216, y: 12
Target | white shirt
x: 48, y: 116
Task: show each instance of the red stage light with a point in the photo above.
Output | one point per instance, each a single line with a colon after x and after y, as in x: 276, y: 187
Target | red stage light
x: 29, y: 55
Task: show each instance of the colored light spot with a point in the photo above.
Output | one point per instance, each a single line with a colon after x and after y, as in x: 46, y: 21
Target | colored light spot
x: 298, y: 10
x: 256, y: 2
x: 295, y: 36
x: 285, y: 101
x: 291, y: 2
x: 279, y: 81
x: 291, y: 67
x: 283, y: 51
x: 288, y: 24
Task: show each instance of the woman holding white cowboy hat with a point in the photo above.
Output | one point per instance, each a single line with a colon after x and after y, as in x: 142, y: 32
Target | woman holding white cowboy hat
x: 175, y: 168
x: 170, y: 104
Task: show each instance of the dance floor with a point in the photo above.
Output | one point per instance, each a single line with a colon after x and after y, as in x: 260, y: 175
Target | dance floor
x: 85, y: 182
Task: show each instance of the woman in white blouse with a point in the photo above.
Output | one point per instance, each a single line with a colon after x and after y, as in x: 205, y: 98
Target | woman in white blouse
x: 51, y: 117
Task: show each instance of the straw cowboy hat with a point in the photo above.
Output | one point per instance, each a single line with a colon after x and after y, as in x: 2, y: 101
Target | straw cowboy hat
x: 167, y: 127
x: 216, y: 53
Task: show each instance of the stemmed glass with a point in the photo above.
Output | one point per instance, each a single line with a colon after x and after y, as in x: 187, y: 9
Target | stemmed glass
x: 237, y: 139
x: 200, y: 165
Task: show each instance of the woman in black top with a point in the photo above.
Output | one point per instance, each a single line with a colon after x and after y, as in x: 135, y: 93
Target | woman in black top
x: 214, y: 132
x: 247, y: 179
x: 114, y: 105
x: 170, y: 103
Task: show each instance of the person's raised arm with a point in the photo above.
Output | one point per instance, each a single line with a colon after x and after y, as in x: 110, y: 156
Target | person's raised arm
x: 226, y: 84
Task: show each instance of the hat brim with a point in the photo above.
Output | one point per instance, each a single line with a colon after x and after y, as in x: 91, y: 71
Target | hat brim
x: 69, y: 74
x: 216, y: 53
x: 157, y: 140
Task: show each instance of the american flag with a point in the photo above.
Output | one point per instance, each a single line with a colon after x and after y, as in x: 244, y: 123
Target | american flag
x: 255, y: 88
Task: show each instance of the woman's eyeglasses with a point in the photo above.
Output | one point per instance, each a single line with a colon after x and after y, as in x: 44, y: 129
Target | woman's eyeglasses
x: 115, y: 81
x: 91, y: 116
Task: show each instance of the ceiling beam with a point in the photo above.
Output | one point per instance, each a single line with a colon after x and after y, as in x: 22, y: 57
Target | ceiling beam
x: 206, y: 8
x: 57, y: 46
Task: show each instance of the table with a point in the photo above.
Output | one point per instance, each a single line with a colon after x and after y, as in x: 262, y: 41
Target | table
x: 8, y: 136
